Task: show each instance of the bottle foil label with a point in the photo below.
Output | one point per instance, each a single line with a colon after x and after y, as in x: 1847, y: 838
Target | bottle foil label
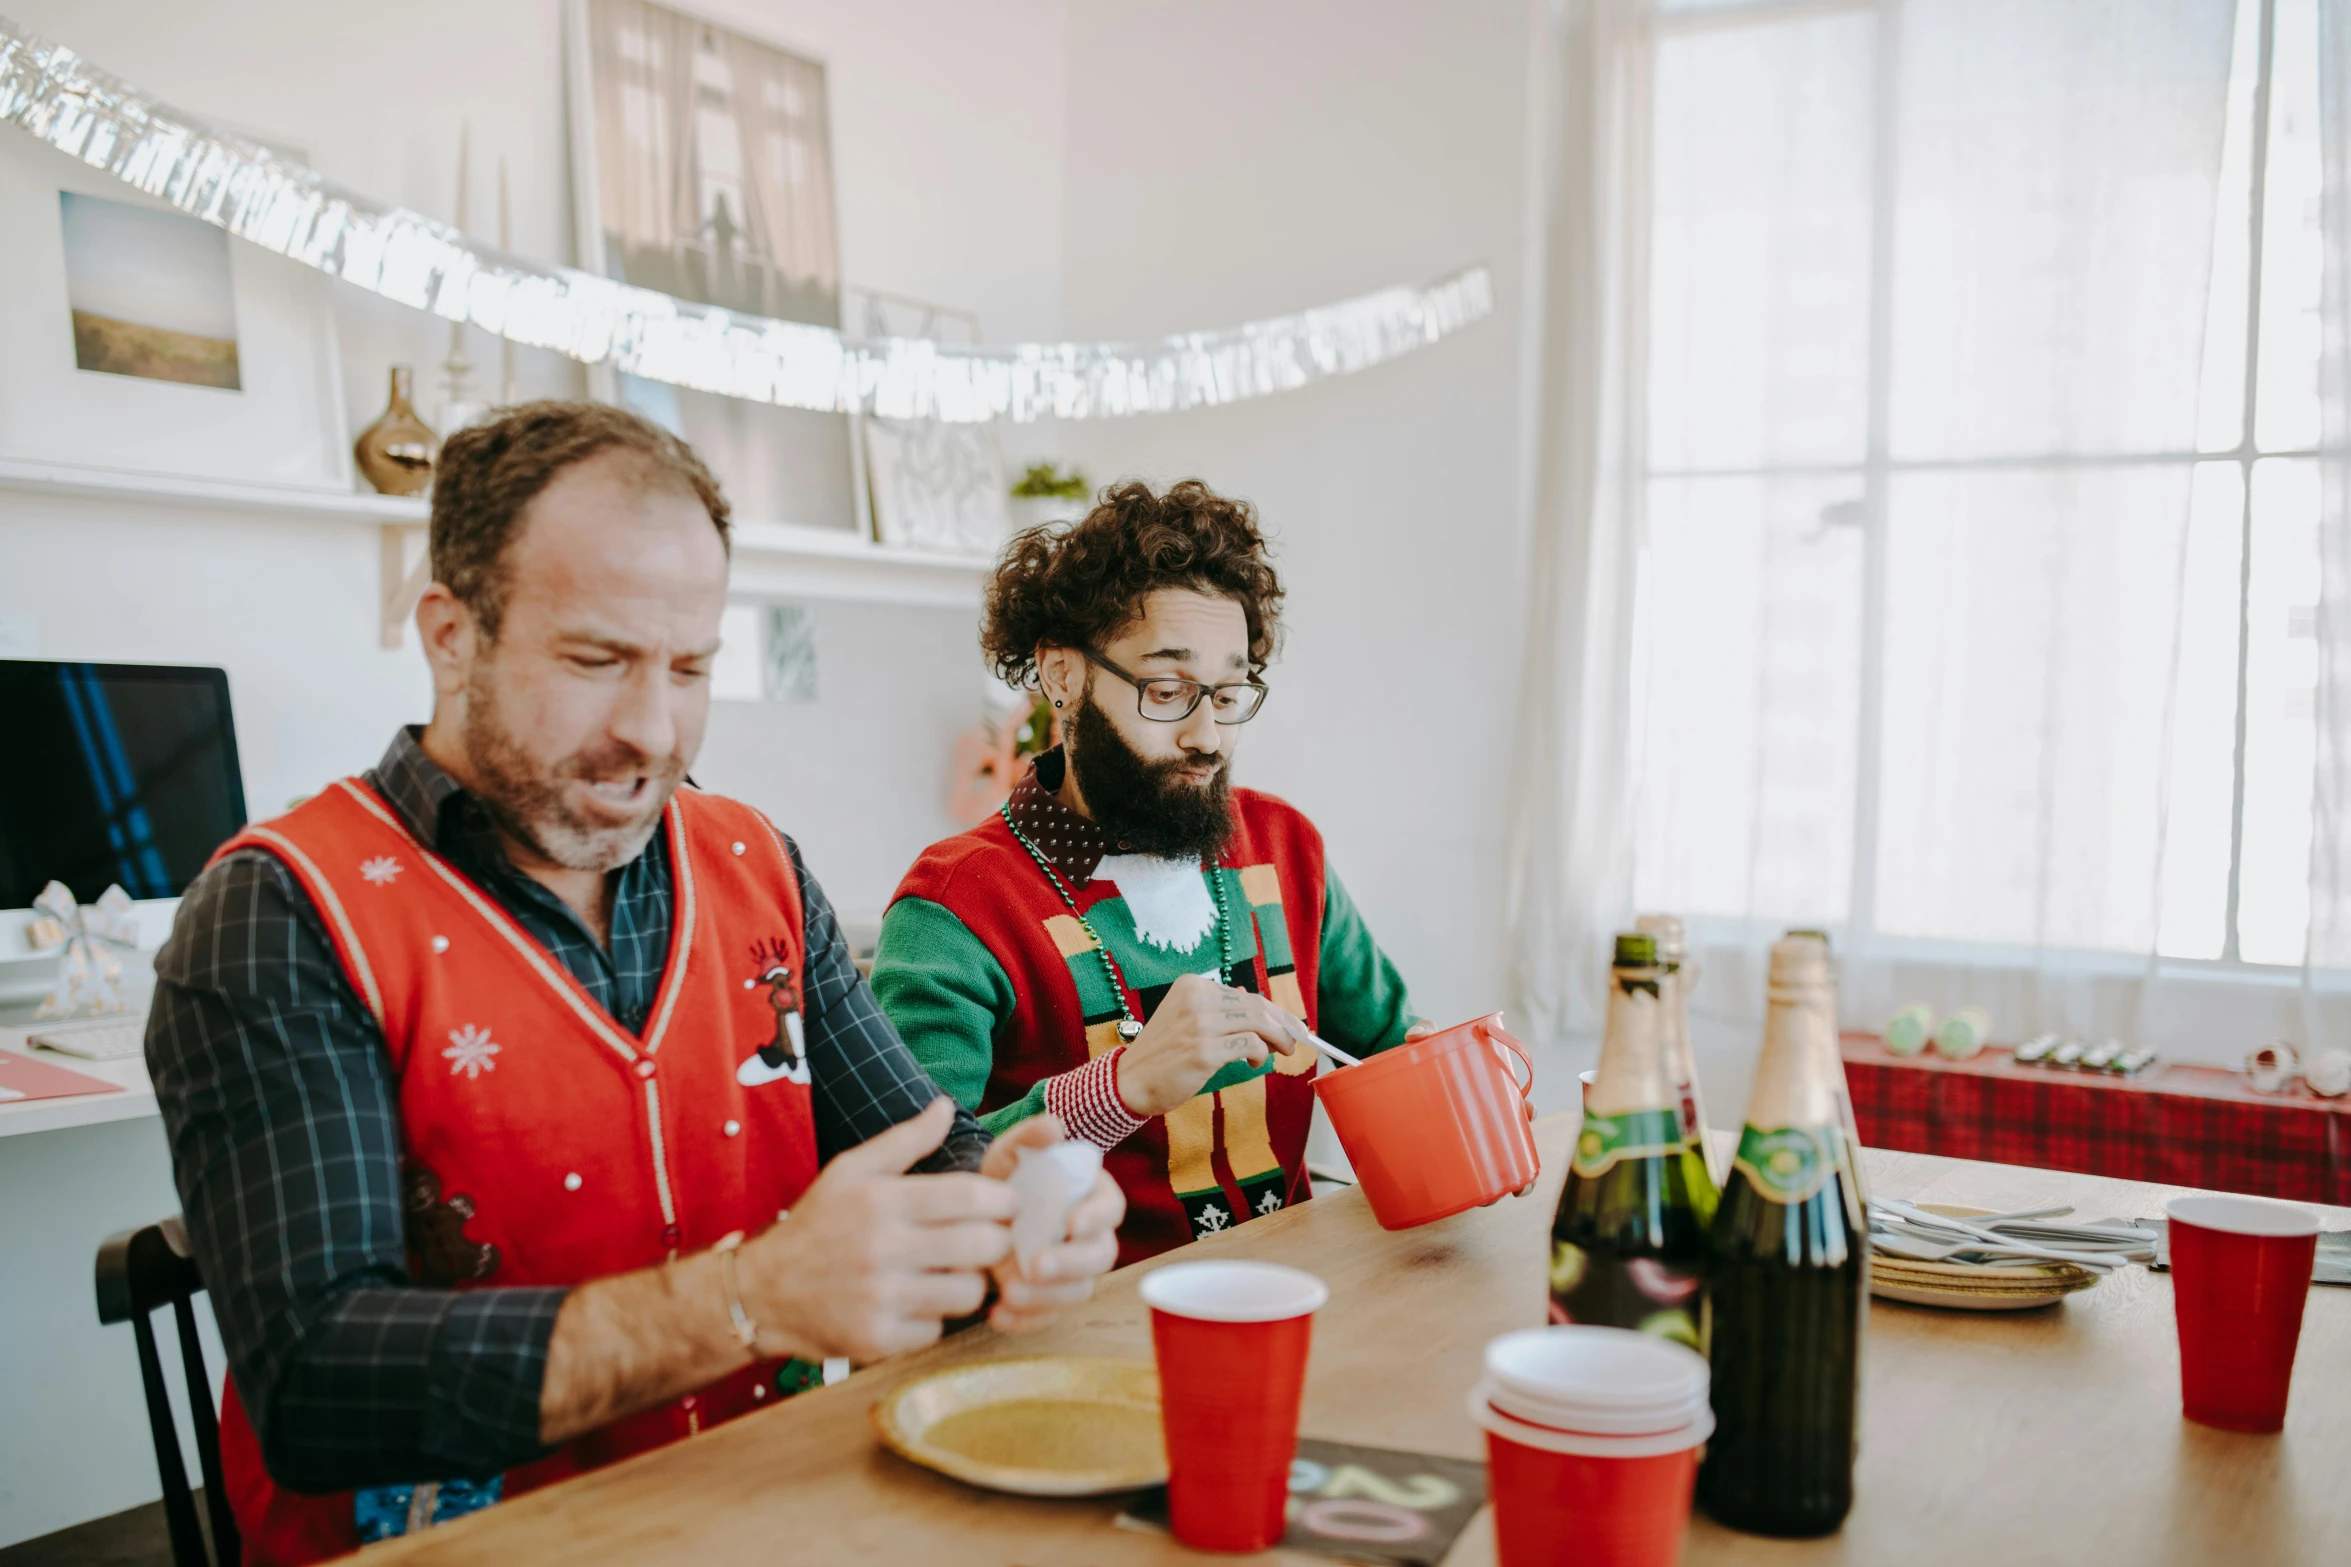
x: 1636, y: 1134
x: 1789, y: 1163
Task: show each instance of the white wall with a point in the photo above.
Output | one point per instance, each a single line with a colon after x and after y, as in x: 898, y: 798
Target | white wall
x: 947, y: 141
x: 1230, y: 159
x: 947, y: 131
x: 861, y: 771
x: 1063, y: 169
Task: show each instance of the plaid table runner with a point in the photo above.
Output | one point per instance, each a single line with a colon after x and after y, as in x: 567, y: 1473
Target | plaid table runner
x: 2175, y: 1125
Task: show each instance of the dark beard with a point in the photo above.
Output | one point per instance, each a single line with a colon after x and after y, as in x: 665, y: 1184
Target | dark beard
x: 527, y: 801
x: 1142, y: 806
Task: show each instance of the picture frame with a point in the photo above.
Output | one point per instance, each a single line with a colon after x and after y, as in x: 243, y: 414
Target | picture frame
x: 284, y: 426
x: 650, y: 189
x: 937, y: 487
x: 930, y: 486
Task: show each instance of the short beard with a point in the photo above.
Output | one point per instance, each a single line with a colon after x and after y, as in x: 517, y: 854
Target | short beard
x: 1142, y: 806
x: 525, y: 798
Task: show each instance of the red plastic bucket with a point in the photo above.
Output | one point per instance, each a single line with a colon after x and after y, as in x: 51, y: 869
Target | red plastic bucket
x: 1437, y: 1126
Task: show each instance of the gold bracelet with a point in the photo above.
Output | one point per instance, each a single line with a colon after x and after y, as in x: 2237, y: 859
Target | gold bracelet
x: 745, y: 1329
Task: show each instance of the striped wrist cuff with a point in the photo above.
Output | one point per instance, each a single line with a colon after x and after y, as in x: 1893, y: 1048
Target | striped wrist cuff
x: 1087, y: 1101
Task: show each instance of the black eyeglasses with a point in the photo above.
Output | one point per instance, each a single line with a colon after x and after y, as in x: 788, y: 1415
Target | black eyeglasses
x: 1166, y: 700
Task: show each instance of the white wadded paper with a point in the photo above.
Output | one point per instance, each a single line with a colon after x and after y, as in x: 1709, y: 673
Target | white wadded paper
x: 1049, y: 1182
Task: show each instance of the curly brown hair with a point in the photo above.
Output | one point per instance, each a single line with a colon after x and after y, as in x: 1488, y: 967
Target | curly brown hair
x: 490, y: 472
x: 1080, y: 585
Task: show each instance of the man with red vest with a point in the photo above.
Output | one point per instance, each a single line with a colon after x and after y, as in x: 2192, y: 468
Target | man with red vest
x: 1132, y: 944
x: 526, y: 1106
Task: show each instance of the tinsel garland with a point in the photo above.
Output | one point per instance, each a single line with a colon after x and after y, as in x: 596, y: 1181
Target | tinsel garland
x: 269, y: 200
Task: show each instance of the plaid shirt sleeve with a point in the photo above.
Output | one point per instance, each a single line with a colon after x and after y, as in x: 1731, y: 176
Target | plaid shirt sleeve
x: 865, y: 1079
x: 285, y: 1139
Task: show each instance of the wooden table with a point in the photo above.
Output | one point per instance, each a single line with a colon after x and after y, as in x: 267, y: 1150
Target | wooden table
x: 1996, y: 1438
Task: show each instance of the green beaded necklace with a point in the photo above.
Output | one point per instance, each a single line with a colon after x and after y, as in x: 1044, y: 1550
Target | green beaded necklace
x: 1129, y: 1027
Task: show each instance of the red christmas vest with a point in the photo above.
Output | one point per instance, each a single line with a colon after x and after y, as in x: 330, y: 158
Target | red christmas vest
x: 1220, y: 1157
x: 542, y: 1143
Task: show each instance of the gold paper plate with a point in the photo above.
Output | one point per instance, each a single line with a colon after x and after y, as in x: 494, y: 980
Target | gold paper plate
x: 1063, y: 1426
x: 1960, y: 1287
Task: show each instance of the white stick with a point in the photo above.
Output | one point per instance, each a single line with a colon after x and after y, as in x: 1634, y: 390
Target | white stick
x: 1331, y: 1050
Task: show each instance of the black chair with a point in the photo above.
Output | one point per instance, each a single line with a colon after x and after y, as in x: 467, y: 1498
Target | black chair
x: 139, y: 1270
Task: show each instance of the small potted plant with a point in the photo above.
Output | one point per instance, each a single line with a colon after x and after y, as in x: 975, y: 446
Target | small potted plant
x: 1046, y: 494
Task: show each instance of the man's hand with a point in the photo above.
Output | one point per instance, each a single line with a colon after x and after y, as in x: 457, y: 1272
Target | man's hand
x: 1199, y: 1027
x: 1066, y: 1270
x: 872, y: 1259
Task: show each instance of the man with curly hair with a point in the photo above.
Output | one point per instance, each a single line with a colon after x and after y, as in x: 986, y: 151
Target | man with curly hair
x: 1132, y: 943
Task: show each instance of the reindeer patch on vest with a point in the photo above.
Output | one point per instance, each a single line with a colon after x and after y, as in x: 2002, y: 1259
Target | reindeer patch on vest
x: 783, y: 1059
x: 440, y: 1254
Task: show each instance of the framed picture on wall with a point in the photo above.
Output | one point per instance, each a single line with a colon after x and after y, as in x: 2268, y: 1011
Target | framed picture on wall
x: 936, y: 486
x: 933, y: 486
x: 702, y: 166
x: 136, y: 338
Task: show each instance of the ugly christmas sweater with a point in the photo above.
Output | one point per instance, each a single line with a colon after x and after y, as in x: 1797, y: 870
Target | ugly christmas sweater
x: 1000, y: 993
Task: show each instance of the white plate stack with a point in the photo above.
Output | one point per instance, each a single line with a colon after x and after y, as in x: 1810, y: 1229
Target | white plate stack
x: 1598, y: 1392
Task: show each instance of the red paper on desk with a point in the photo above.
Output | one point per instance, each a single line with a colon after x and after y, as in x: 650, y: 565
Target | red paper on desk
x: 23, y: 1078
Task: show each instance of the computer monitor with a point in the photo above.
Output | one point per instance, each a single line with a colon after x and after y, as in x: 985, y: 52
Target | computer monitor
x: 119, y: 774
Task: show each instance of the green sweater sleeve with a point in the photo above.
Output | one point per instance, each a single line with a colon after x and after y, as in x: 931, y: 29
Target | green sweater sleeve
x: 947, y: 995
x: 1363, y: 1004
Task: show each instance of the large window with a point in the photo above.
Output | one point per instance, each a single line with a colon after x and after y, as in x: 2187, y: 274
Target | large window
x: 1980, y: 538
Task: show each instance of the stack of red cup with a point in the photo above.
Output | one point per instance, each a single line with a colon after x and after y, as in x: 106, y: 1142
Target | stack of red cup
x: 1231, y: 1340
x: 2240, y: 1270
x: 1592, y: 1438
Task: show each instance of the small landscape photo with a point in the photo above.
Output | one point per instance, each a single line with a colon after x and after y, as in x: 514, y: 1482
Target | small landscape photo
x: 150, y: 293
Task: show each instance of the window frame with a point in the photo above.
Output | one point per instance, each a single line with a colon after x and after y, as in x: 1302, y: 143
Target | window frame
x: 1878, y: 468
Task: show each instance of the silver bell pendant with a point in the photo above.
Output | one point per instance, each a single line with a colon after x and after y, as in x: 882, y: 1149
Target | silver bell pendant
x: 1129, y: 1031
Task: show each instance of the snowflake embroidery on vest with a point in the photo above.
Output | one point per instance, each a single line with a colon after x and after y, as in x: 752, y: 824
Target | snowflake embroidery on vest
x: 469, y: 1052
x: 1270, y: 1202
x: 381, y: 871
x: 1212, y: 1219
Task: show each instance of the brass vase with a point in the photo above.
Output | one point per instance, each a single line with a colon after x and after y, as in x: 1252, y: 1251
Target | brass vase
x: 397, y: 451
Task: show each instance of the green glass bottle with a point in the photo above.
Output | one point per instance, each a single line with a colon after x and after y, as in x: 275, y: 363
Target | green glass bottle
x: 1628, y: 1244
x: 1677, y: 975
x: 1787, y: 1280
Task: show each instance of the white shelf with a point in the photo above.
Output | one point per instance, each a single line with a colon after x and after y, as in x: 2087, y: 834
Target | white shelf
x: 114, y: 484
x: 771, y: 560
x: 777, y: 560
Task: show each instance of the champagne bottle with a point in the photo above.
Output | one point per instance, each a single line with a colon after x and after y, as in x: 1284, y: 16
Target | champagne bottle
x: 1787, y: 1280
x: 1628, y: 1244
x: 1833, y: 1059
x: 1681, y: 1062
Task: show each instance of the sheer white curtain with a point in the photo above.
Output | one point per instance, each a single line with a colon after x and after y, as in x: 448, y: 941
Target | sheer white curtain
x: 2330, y: 842
x: 1916, y: 556
x: 1570, y: 861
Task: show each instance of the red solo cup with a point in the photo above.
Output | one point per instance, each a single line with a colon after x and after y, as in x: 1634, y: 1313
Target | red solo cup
x: 1231, y: 1340
x: 1592, y: 1441
x: 1566, y: 1499
x: 2240, y: 1271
